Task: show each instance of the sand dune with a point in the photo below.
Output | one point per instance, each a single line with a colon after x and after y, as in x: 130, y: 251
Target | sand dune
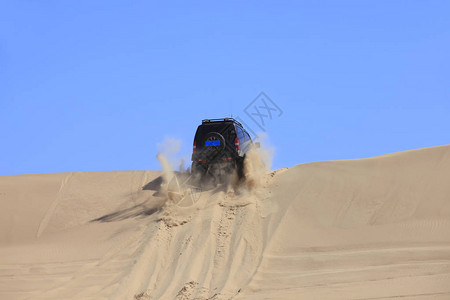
x: 376, y: 228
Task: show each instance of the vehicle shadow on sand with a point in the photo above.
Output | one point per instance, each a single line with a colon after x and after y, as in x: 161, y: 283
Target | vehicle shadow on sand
x: 143, y: 209
x: 149, y: 208
x: 154, y: 185
x: 140, y: 210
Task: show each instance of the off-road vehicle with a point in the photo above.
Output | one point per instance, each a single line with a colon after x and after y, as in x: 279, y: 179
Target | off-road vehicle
x: 220, y: 145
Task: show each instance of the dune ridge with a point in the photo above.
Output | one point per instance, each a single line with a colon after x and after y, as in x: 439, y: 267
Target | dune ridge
x: 375, y: 228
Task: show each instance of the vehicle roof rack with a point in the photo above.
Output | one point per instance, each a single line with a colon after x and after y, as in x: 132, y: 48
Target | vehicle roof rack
x: 221, y: 120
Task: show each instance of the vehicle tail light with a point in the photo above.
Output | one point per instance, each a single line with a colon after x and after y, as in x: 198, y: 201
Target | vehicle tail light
x: 236, y: 144
x: 195, y: 147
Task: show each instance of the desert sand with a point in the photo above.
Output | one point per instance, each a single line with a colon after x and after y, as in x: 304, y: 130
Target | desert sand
x: 374, y: 228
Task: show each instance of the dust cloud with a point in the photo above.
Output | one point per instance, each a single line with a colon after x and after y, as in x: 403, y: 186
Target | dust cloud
x: 171, y: 161
x: 175, y: 175
x: 258, y: 162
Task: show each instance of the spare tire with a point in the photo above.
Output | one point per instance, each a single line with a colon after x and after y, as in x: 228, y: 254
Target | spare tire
x: 214, y: 145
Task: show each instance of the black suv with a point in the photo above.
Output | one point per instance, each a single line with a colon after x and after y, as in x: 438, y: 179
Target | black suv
x: 220, y: 144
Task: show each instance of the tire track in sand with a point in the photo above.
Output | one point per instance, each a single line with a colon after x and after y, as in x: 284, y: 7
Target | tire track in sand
x: 48, y: 215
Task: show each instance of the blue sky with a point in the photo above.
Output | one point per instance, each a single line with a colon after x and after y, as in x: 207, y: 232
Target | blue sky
x: 96, y: 85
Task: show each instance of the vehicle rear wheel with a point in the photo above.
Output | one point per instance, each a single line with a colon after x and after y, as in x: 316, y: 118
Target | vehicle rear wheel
x: 240, y: 168
x: 198, y: 169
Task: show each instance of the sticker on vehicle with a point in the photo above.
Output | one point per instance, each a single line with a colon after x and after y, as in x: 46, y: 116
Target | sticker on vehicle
x: 212, y: 143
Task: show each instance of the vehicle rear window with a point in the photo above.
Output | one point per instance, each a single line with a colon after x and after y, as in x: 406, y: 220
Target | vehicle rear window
x: 223, y: 128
